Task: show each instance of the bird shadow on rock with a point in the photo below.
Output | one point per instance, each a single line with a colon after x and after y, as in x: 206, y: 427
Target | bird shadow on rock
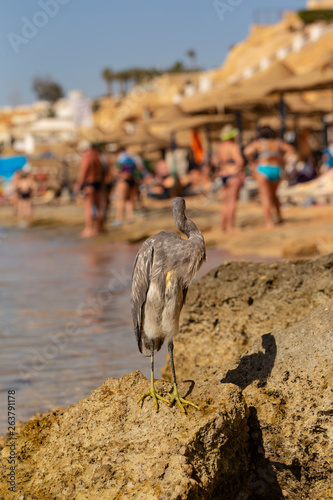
x: 260, y: 482
x: 257, y: 366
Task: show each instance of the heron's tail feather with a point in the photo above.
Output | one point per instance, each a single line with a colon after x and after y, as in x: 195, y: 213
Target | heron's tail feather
x: 144, y: 345
x: 144, y: 350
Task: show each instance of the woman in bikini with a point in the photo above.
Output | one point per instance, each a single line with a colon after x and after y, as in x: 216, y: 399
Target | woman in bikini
x: 25, y: 188
x: 230, y: 168
x: 267, y: 154
x: 90, y: 180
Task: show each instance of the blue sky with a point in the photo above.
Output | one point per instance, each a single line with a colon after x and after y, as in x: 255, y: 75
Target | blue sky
x: 75, y: 39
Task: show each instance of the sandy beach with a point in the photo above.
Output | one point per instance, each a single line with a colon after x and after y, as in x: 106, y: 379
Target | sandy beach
x: 306, y: 231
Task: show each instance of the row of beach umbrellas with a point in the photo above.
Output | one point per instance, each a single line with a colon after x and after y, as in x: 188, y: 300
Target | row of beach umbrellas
x: 265, y: 96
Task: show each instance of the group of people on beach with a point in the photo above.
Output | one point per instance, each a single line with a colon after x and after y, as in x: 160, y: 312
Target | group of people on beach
x: 95, y: 181
x: 184, y: 172
x: 265, y: 157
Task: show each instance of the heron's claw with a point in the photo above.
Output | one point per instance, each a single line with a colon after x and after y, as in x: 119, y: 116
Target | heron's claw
x: 175, y: 397
x: 153, y: 394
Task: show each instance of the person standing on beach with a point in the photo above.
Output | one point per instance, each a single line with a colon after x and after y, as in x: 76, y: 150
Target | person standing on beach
x: 327, y: 158
x: 90, y: 180
x: 230, y: 168
x: 107, y: 185
x: 128, y: 179
x: 267, y: 156
x: 162, y: 184
x: 25, y: 188
x: 14, y: 184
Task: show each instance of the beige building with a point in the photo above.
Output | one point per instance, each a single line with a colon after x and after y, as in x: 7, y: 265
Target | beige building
x: 320, y: 5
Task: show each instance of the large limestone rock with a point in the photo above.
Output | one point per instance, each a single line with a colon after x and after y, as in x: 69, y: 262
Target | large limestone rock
x: 232, y: 306
x: 287, y: 381
x: 108, y: 447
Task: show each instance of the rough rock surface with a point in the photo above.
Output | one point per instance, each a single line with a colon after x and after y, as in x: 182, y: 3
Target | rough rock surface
x: 232, y: 306
x: 287, y: 380
x: 107, y: 447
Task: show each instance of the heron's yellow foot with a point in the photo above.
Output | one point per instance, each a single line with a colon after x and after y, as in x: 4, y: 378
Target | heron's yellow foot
x: 175, y: 397
x: 153, y: 394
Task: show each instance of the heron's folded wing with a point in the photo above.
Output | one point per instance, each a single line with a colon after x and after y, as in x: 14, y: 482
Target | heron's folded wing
x: 140, y: 284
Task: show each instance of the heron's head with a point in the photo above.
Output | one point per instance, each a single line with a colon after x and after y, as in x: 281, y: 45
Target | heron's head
x: 184, y: 224
x: 178, y: 210
x: 178, y: 205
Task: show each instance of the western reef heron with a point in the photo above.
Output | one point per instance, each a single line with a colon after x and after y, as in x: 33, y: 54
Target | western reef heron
x: 163, y: 270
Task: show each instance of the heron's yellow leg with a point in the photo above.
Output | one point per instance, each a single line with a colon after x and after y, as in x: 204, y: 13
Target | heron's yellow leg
x: 152, y: 393
x: 175, y: 397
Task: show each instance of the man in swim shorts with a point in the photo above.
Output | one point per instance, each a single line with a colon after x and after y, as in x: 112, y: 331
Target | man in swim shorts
x: 90, y: 181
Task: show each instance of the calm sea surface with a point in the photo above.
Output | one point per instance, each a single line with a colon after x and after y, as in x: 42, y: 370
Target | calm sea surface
x: 65, y: 318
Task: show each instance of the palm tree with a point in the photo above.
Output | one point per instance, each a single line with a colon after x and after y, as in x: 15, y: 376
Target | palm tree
x: 108, y: 76
x: 192, y: 55
x: 123, y: 77
x: 144, y: 75
x: 138, y: 75
x: 127, y: 76
x: 119, y: 76
x: 177, y: 67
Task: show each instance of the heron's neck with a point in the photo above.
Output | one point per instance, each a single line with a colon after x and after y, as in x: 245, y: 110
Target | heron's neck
x: 188, y: 227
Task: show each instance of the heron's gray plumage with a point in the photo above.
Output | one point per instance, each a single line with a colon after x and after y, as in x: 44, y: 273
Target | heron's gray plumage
x: 163, y: 270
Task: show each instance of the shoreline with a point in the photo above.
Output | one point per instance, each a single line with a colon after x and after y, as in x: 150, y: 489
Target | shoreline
x: 306, y: 231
